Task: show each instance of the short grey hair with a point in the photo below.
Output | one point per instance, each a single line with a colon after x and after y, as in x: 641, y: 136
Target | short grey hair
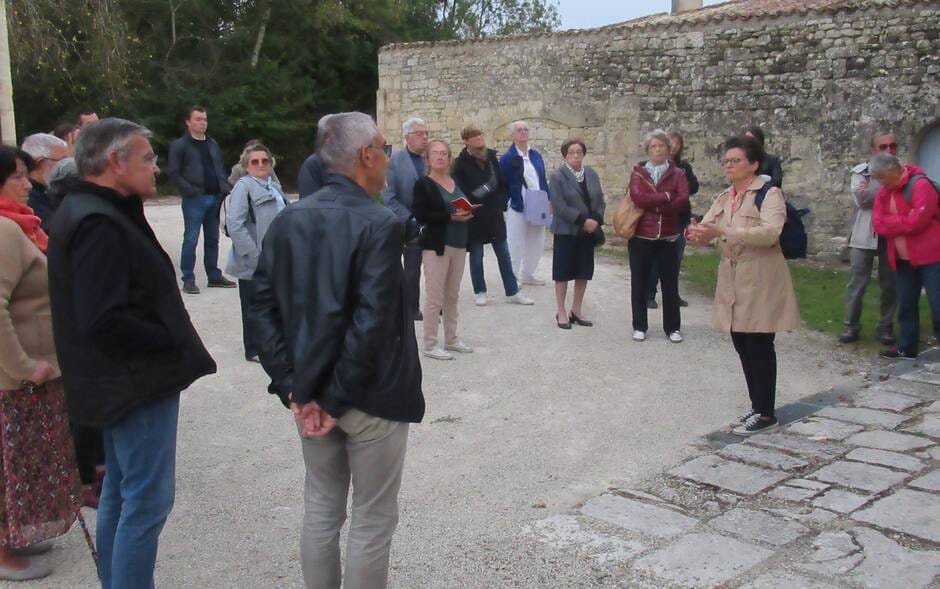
x: 322, y: 134
x: 511, y: 127
x: 243, y: 159
x: 656, y: 134
x: 66, y: 168
x: 98, y: 141
x: 40, y: 145
x: 409, y: 125
x: 347, y: 133
x: 883, y: 162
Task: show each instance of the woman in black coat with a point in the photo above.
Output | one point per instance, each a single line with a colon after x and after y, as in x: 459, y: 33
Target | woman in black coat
x: 476, y: 171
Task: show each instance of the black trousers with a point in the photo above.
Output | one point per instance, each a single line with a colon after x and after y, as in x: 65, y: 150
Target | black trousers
x: 246, y: 290
x: 759, y: 361
x: 643, y: 252
x: 412, y: 258
x: 89, y: 452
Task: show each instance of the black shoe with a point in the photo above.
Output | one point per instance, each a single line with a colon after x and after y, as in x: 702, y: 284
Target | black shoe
x: 755, y: 425
x: 419, y: 316
x: 651, y: 304
x: 562, y: 325
x: 578, y: 321
x: 747, y: 415
x: 887, y: 339
x: 895, y: 353
x: 683, y: 302
x: 221, y: 282
x: 189, y: 287
x: 848, y: 335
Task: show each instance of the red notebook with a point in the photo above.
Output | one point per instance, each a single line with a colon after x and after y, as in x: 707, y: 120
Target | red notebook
x: 462, y: 204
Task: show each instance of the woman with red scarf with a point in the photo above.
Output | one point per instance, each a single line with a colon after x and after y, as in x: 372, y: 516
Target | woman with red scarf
x: 38, y: 480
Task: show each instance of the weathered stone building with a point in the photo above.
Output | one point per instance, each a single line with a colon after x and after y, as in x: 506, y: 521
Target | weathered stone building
x: 820, y: 76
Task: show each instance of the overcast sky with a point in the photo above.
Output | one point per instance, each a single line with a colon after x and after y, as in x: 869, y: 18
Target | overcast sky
x: 584, y: 14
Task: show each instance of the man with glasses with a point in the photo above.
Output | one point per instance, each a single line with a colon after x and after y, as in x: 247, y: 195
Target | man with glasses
x: 864, y: 246
x: 196, y: 168
x: 346, y: 360
x: 404, y: 168
x: 47, y: 150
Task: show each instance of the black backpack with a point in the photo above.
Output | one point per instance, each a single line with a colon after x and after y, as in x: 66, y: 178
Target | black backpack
x: 793, y: 239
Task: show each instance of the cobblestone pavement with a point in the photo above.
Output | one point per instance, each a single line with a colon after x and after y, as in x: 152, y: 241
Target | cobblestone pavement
x: 848, y: 496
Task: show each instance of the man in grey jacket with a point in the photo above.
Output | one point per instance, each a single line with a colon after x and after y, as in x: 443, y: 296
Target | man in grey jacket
x: 404, y: 168
x: 196, y: 168
x: 864, y: 246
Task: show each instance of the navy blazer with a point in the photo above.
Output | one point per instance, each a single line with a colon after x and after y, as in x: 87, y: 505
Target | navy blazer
x: 400, y: 183
x: 511, y: 166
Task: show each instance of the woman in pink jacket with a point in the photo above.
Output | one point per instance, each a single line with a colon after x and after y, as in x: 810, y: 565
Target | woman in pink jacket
x: 906, y: 214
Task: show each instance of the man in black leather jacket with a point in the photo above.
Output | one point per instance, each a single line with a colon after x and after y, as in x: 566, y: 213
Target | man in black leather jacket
x: 340, y: 348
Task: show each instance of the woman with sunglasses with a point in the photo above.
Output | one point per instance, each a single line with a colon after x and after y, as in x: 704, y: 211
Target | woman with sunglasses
x: 253, y: 203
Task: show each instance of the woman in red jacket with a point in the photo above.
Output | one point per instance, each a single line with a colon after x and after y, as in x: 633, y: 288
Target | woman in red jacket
x: 660, y: 188
x: 906, y: 214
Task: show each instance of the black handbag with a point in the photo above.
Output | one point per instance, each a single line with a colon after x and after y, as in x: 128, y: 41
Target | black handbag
x: 599, y: 237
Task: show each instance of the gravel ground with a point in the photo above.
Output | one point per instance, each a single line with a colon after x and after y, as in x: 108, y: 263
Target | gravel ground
x: 534, y: 422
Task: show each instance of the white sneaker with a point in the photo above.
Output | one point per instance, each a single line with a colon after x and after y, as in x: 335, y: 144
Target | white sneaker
x: 675, y: 337
x: 639, y: 336
x: 438, y: 354
x: 480, y: 299
x: 532, y: 280
x: 519, y: 299
x: 459, y: 346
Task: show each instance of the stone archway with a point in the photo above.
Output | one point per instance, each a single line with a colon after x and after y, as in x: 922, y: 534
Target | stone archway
x: 927, y: 149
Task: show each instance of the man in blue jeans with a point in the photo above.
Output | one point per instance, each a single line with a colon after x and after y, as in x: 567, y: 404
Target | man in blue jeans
x: 125, y: 340
x: 197, y: 171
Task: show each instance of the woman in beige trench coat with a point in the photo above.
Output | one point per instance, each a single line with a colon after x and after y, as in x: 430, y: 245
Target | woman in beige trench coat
x: 754, y: 297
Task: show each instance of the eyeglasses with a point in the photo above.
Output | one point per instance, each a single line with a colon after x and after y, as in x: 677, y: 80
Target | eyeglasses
x: 423, y: 133
x: 260, y: 162
x: 731, y: 161
x: 886, y: 146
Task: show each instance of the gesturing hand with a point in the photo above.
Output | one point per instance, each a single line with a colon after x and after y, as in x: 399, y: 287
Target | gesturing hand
x: 315, y: 422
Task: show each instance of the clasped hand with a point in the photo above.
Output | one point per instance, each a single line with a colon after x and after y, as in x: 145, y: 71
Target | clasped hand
x: 703, y: 233
x: 314, y: 421
x: 590, y: 226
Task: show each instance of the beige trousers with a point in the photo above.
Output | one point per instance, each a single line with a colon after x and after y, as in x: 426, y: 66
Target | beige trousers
x: 442, y: 276
x: 371, y: 452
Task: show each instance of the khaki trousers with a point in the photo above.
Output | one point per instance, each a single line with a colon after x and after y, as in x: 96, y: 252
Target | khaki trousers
x: 442, y: 276
x: 370, y: 451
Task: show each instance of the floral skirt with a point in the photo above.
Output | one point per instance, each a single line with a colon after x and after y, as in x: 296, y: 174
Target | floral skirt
x: 38, y: 478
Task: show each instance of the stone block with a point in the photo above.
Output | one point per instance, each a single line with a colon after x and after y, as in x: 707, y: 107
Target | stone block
x: 808, y: 484
x: 797, y: 445
x: 840, y: 501
x: 933, y: 407
x: 906, y: 387
x: 885, y: 400
x: 702, y: 560
x: 817, y: 428
x: 930, y: 481
x: 864, y: 416
x: 636, y: 516
x: 758, y: 526
x: 922, y: 376
x: 885, y: 458
x: 866, y: 477
x: 911, y: 512
x: 885, y: 440
x: 762, y: 457
x: 731, y: 476
x: 930, y: 425
x: 810, y: 515
x: 792, y: 493
x: 867, y: 558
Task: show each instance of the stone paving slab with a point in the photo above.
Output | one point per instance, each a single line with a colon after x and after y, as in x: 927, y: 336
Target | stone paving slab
x: 808, y: 484
x: 817, y: 428
x: 725, y: 474
x: 923, y: 376
x: 933, y: 407
x: 841, y: 501
x: 905, y: 387
x: 702, y: 560
x: 762, y: 457
x: 809, y: 449
x: 912, y: 512
x: 786, y: 580
x: 930, y: 481
x: 792, y: 493
x: 565, y: 531
x: 867, y: 558
x: 885, y: 458
x: 883, y: 440
x: 863, y: 416
x: 637, y: 516
x: 758, y: 526
x: 874, y: 399
x: 866, y: 477
x: 930, y: 425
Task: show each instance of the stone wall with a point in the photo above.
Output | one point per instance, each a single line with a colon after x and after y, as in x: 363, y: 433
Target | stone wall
x: 819, y: 83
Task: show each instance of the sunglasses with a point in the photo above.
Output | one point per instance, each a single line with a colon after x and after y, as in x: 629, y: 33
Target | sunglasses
x: 885, y: 146
x: 387, y: 148
x: 260, y: 162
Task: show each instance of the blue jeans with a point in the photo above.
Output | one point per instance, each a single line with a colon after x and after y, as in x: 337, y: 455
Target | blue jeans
x: 501, y: 249
x: 201, y: 212
x: 137, y: 494
x: 909, y: 282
